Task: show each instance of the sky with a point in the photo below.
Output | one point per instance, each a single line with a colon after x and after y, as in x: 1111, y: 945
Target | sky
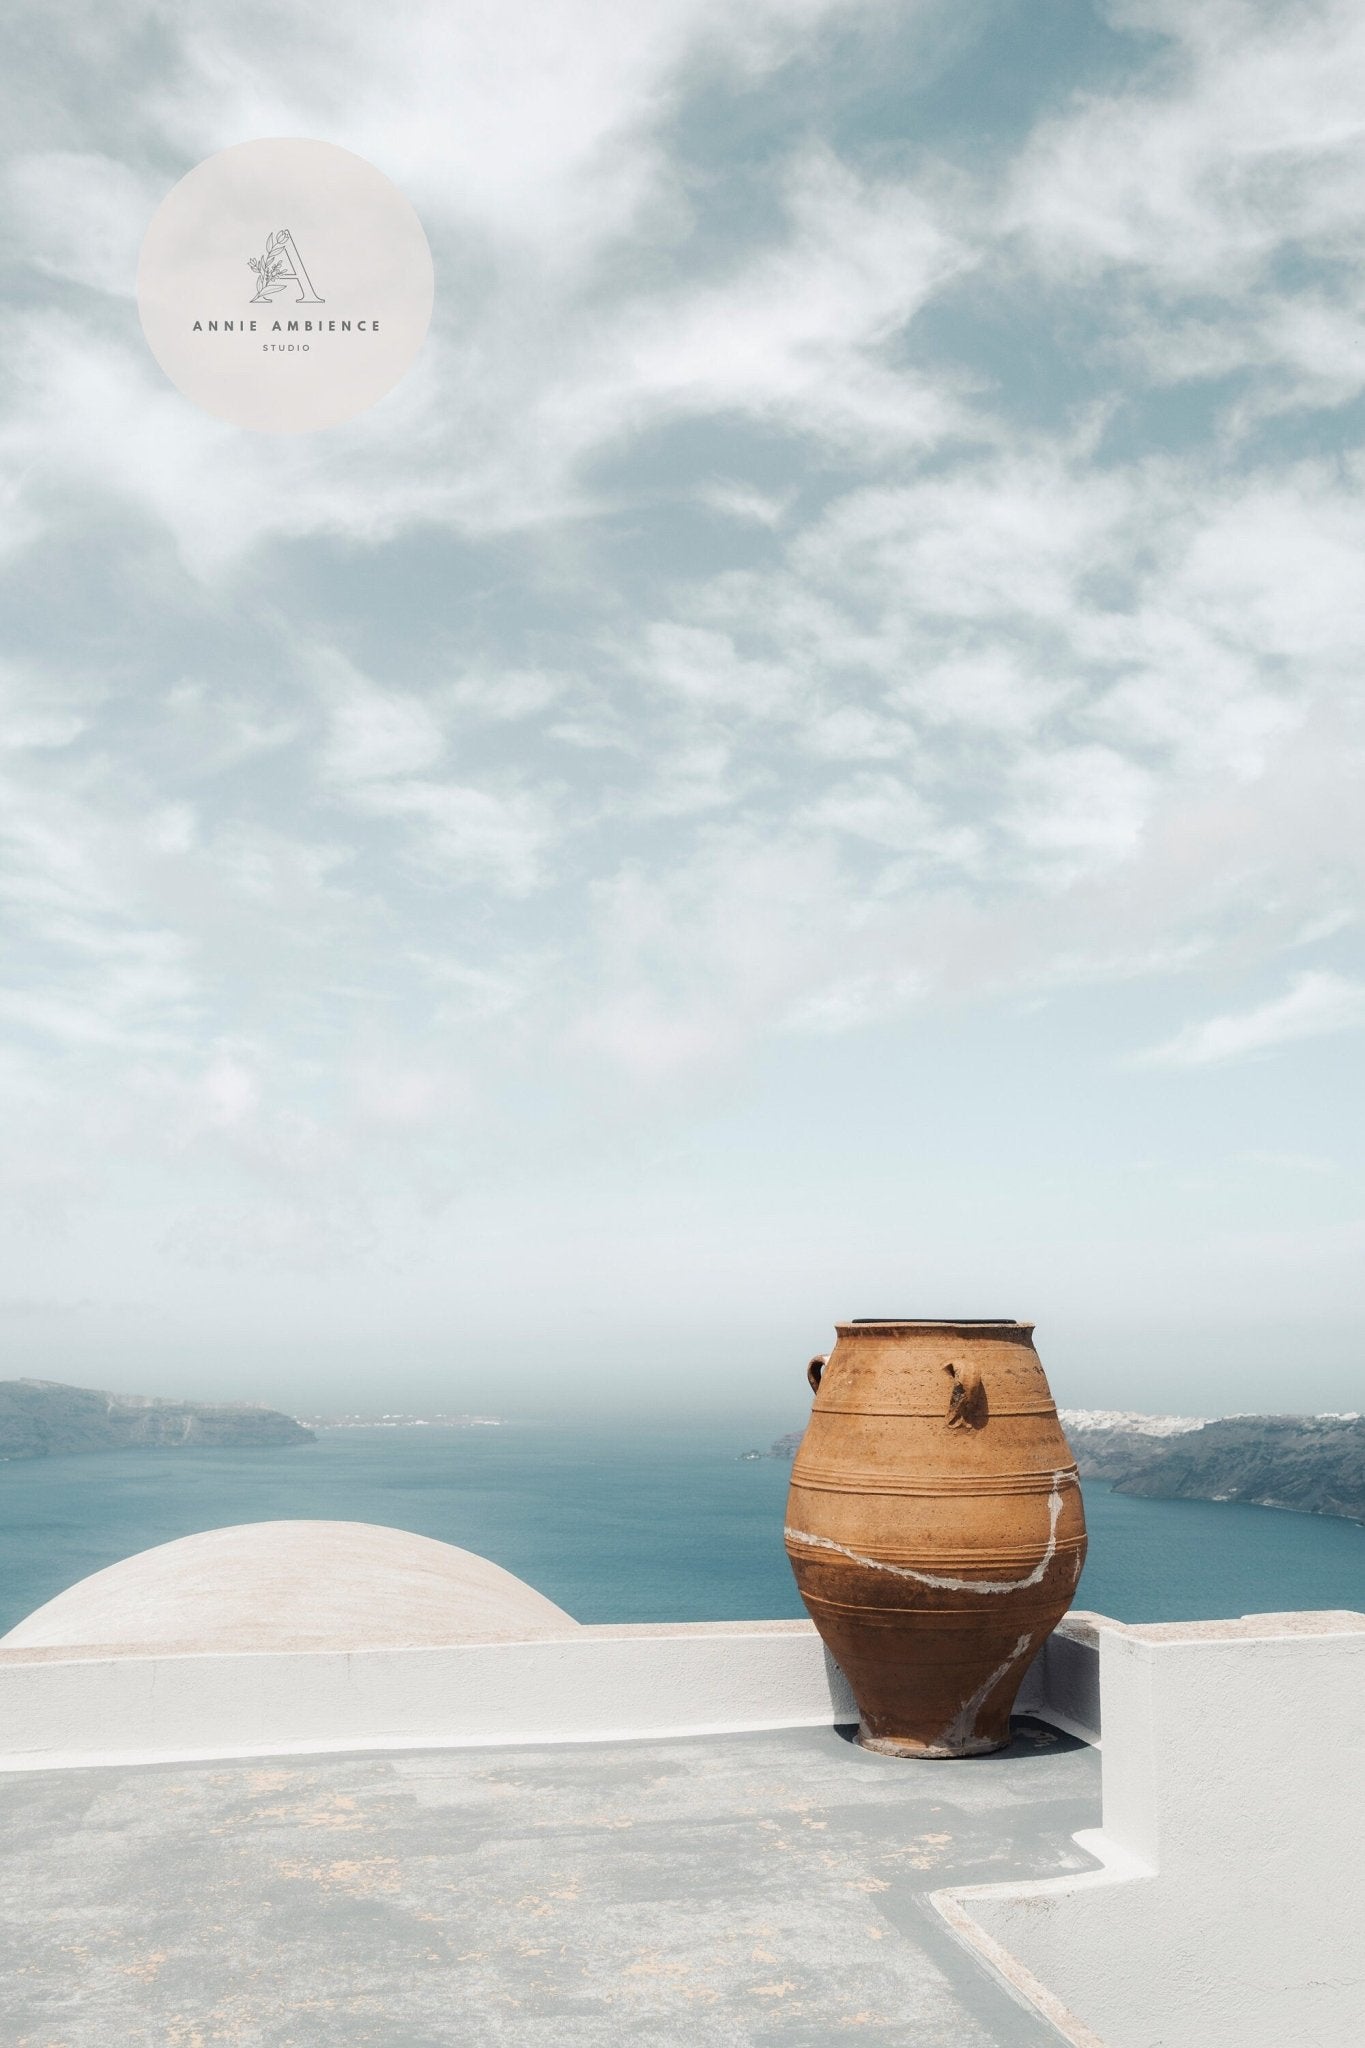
x: 805, y: 763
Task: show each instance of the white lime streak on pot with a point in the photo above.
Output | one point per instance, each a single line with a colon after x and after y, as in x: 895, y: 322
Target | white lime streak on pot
x: 962, y: 1727
x: 941, y: 1580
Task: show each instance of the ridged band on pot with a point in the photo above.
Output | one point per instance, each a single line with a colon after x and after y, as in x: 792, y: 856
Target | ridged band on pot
x: 934, y: 1525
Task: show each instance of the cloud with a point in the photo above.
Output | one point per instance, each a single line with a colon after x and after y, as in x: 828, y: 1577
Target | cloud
x: 543, y: 134
x: 1213, y: 199
x: 540, y: 161
x: 1244, y: 135
x: 1316, y: 1005
x: 796, y: 334
x: 813, y: 575
x: 375, y: 734
x: 468, y: 834
x: 80, y: 216
x: 1082, y: 806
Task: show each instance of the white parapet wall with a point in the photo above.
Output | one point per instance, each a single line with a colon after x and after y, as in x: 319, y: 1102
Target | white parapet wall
x: 1062, y: 1685
x: 268, y: 1638
x: 67, y: 1706
x: 62, y: 1707
x: 1228, y: 1906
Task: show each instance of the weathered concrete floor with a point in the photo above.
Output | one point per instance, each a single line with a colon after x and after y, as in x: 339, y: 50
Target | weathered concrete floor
x: 765, y: 1889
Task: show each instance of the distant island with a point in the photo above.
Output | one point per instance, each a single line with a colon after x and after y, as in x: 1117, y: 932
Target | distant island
x: 1313, y: 1464
x: 42, y: 1418
x: 396, y: 1421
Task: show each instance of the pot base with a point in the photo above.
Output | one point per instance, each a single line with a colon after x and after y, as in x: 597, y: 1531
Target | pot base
x: 911, y: 1746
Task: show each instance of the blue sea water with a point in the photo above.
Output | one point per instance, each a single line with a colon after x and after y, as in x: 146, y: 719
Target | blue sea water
x: 646, y: 1521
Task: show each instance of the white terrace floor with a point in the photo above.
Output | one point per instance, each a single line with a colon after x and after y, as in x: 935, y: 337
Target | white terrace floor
x: 756, y: 1888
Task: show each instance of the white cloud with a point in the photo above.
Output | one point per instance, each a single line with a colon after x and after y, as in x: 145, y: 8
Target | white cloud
x: 741, y: 501
x: 538, y: 131
x: 1180, y: 193
x: 229, y: 1093
x: 80, y: 216
x: 1316, y: 1005
x: 539, y: 160
x: 374, y: 734
x: 856, y: 999
x: 40, y: 710
x: 497, y: 836
x: 692, y: 650
x: 881, y: 808
x: 1014, y: 534
x: 704, y: 668
x: 795, y: 334
x: 1082, y: 806
x: 1247, y: 133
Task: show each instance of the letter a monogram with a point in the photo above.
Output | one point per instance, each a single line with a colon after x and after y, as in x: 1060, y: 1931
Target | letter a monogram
x: 280, y: 266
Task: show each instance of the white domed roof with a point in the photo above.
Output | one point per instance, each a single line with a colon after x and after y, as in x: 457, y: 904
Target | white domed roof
x: 293, y: 1585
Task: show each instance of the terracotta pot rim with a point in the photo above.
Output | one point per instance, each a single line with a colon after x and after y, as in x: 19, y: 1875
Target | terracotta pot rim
x: 933, y: 1323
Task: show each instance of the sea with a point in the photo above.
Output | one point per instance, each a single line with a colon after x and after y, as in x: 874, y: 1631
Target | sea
x: 659, y: 1520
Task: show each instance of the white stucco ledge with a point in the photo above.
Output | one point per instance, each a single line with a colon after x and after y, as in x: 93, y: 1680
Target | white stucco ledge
x: 1227, y: 1905
x: 69, y: 1707
x: 288, y: 1638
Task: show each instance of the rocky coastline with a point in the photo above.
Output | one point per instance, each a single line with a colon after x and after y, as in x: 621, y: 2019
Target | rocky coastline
x: 43, y: 1418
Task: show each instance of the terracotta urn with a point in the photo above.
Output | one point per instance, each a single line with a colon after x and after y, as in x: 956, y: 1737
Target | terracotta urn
x: 934, y: 1525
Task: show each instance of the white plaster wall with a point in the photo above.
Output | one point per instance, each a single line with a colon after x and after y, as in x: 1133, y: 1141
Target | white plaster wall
x: 61, y: 1707
x: 1062, y: 1685
x: 1229, y: 1908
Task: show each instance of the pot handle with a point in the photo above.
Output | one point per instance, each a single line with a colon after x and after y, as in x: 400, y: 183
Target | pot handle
x: 968, y: 1407
x: 814, y: 1370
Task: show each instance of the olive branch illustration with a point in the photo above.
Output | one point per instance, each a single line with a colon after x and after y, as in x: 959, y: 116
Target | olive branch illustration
x: 271, y: 273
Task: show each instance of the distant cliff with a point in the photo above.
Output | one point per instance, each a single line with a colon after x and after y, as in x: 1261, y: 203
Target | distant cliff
x: 40, y: 1418
x: 1312, y: 1463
